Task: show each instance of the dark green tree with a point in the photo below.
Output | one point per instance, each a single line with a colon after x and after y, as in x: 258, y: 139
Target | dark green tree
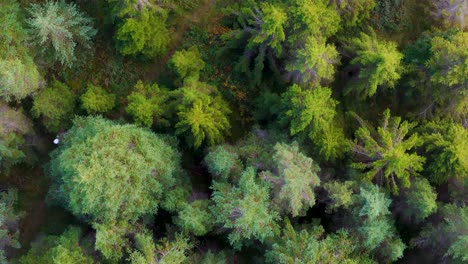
x: 14, y: 125
x: 447, y: 237
x: 9, y: 227
x: 420, y: 200
x: 54, y: 106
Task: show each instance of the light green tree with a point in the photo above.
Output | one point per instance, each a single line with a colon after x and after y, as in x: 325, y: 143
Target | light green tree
x: 354, y: 12
x: 143, y: 32
x: 59, y: 29
x: 195, y: 218
x: 112, y: 174
x: 54, y: 106
x: 340, y: 195
x: 244, y: 209
x: 446, y: 144
x: 313, y: 111
x: 147, y: 103
x: 383, y: 155
x: 306, y: 246
x: 373, y: 224
x: 449, y: 70
x: 294, y: 179
x: 379, y: 64
x: 19, y: 76
x: 420, y: 199
x: 164, y: 252
x: 97, y: 100
x: 187, y: 63
x: 65, y: 248
x: 202, y: 114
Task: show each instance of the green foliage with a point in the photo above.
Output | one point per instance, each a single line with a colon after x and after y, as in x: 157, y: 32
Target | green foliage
x: 387, y: 15
x: 145, y: 32
x: 147, y: 104
x: 195, y: 218
x: 244, y: 209
x: 111, y: 173
x: 202, y: 114
x: 165, y: 252
x: 446, y: 144
x: 314, y: 62
x: 294, y: 180
x: 9, y: 218
x: 97, y: 100
x: 58, y: 29
x: 382, y: 154
x: 354, y: 12
x: 14, y: 125
x: 421, y: 200
x: 449, y: 68
x: 99, y: 159
x: 313, y: 111
x: 446, y: 238
x: 340, y: 195
x: 18, y: 79
x: 374, y: 226
x: 187, y: 63
x: 58, y: 249
x: 209, y: 258
x: 305, y: 246
x: 270, y: 31
x: 18, y: 76
x: 379, y: 62
x: 221, y: 162
x: 54, y: 105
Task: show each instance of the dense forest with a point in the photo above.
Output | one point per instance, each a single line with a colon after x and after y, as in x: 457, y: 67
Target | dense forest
x: 233, y: 131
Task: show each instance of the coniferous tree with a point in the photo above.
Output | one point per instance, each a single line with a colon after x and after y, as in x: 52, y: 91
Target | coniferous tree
x: 165, y: 251
x: 112, y: 174
x: 147, y: 103
x: 9, y: 218
x: 54, y: 106
x: 202, y: 114
x: 188, y: 63
x: 382, y: 154
x: 294, y: 180
x: 244, y: 209
x: 59, y: 29
x: 379, y: 64
x: 97, y: 100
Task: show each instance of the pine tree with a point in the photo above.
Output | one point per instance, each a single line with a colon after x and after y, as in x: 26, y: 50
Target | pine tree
x: 187, y: 63
x: 97, y: 100
x: 195, y: 218
x: 202, y: 114
x: 54, y: 105
x: 144, y: 32
x: 147, y: 103
x: 244, y: 209
x: 306, y: 246
x: 383, y: 154
x: 59, y: 29
x: 9, y: 218
x: 294, y: 180
x: 164, y: 252
x: 420, y: 200
x: 379, y: 62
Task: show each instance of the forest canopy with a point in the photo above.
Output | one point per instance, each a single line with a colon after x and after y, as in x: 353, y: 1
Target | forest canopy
x: 220, y: 131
